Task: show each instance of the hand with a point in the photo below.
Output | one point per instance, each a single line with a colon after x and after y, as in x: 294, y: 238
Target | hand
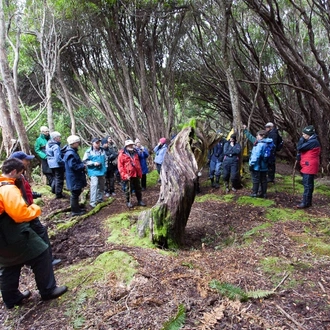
x: 244, y: 126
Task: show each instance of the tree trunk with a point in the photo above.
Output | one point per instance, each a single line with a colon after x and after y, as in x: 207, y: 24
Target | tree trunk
x: 9, y: 85
x: 185, y: 156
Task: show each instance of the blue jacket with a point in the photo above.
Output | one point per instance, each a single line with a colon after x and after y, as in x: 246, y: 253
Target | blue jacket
x: 160, y: 151
x: 216, y: 154
x: 92, y: 156
x: 54, y: 156
x: 143, y: 155
x: 257, y: 160
x: 74, y: 170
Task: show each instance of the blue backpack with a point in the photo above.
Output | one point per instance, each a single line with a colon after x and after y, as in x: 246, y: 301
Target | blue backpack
x: 269, y: 152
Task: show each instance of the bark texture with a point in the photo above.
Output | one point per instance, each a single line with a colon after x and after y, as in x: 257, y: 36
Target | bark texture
x: 186, y: 155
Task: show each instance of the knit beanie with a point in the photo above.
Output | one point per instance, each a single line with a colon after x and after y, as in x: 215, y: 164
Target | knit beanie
x: 309, y: 130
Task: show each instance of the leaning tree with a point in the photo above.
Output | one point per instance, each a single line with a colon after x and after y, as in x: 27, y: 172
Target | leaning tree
x: 185, y: 157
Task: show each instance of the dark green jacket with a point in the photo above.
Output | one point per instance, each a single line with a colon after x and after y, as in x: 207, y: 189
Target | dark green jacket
x: 18, y: 242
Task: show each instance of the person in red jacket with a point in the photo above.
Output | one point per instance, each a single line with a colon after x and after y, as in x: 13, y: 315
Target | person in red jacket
x: 308, y: 149
x: 130, y: 171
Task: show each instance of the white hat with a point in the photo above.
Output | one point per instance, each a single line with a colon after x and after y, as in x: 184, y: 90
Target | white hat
x: 128, y: 142
x: 54, y: 135
x: 270, y: 124
x: 73, y: 139
x: 44, y: 129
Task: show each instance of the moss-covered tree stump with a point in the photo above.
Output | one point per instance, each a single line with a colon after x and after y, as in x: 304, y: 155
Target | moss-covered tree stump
x: 185, y: 156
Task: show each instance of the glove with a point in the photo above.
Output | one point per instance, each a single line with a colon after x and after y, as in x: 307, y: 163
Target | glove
x: 251, y: 168
x: 298, y: 157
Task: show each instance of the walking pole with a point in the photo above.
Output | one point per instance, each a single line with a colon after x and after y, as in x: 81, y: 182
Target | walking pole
x: 129, y: 191
x: 294, y: 179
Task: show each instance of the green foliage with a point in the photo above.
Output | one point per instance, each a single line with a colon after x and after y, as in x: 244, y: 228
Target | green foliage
x: 228, y: 290
x: 122, y: 230
x: 233, y: 292
x: 261, y: 202
x: 256, y: 230
x: 284, y: 214
x: 152, y: 178
x: 178, y: 321
x: 208, y: 197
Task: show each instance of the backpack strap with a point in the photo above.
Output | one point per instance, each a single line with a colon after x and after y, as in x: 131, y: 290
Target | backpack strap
x: 5, y: 183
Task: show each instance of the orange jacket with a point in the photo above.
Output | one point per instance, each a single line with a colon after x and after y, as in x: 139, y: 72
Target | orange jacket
x: 12, y: 202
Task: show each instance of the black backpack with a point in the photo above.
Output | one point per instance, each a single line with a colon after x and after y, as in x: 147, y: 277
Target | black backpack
x: 279, y: 144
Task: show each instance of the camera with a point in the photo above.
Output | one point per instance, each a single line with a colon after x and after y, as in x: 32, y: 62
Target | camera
x: 36, y: 195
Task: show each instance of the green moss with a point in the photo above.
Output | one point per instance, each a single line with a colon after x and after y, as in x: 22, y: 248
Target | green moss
x: 275, y: 267
x: 208, y: 197
x: 122, y: 230
x: 262, y: 202
x: 284, y: 214
x: 256, y: 231
x: 317, y: 245
x: 152, y: 178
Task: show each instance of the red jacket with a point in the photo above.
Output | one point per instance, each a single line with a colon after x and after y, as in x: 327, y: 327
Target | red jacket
x: 129, y: 165
x: 309, y: 151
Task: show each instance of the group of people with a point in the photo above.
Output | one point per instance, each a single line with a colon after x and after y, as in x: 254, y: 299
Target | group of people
x: 262, y: 164
x: 224, y: 159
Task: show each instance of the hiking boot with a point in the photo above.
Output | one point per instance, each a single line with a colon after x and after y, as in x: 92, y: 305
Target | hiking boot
x: 254, y: 195
x: 129, y: 205
x: 302, y: 206
x: 227, y: 190
x: 56, y: 262
x: 140, y: 203
x: 26, y: 294
x: 57, y: 292
x: 74, y: 214
x: 233, y: 189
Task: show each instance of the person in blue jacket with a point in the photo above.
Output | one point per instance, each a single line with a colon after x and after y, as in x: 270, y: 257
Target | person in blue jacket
x: 258, y: 163
x: 215, y: 158
x: 160, y: 151
x: 75, y: 173
x: 95, y: 159
x: 56, y: 163
x: 143, y: 155
x: 232, y: 152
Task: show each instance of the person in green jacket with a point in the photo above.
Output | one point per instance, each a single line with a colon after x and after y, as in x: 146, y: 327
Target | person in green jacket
x: 19, y: 243
x: 40, y: 149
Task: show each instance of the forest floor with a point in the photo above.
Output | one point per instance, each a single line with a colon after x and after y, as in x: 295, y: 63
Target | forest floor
x: 232, y: 242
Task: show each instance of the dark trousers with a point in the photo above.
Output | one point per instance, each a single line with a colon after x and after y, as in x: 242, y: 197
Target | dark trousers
x: 110, y: 181
x: 158, y: 167
x: 58, y: 181
x: 271, y: 171
x: 136, y: 183
x: 230, y: 170
x: 41, y: 230
x: 259, y: 178
x: 308, y: 183
x: 74, y: 200
x: 43, y: 272
x: 48, y: 173
x: 144, y: 181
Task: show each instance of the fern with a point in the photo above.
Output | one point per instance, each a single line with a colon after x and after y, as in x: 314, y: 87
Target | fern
x: 229, y: 290
x: 175, y: 323
x: 235, y: 293
x: 259, y: 294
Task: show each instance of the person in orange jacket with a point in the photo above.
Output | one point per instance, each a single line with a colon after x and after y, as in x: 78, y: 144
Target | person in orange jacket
x: 130, y: 171
x: 19, y: 243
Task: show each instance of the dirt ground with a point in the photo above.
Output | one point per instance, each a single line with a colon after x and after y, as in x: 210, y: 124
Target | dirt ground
x: 216, y: 248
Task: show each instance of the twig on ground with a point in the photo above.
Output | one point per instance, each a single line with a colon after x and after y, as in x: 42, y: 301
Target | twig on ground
x: 322, y: 287
x: 286, y: 275
x: 290, y: 317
